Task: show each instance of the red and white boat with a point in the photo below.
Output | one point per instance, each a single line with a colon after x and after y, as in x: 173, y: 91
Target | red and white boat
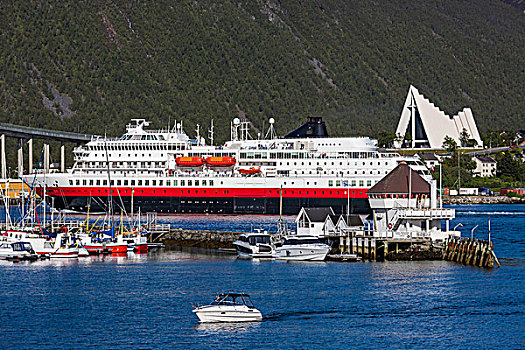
x: 103, y: 245
x: 165, y: 171
x: 65, y: 252
x: 137, y: 243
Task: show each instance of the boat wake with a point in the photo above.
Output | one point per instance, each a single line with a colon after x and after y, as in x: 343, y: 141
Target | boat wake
x: 222, y: 327
x: 278, y: 316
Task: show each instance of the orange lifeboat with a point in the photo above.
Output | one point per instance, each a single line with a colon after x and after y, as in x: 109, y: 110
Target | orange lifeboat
x: 220, y: 161
x: 251, y: 171
x: 189, y: 161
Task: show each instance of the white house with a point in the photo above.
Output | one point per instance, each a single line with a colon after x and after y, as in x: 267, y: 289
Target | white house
x: 430, y: 160
x: 485, y: 166
x: 342, y: 224
x: 311, y: 221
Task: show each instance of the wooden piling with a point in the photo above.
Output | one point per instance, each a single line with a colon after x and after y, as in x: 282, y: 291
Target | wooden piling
x: 473, y: 252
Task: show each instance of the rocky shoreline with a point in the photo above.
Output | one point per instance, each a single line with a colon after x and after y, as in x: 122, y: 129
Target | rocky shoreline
x: 482, y: 200
x: 200, y: 239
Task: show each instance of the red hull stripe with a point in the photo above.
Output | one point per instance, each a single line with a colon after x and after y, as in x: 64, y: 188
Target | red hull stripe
x: 207, y: 192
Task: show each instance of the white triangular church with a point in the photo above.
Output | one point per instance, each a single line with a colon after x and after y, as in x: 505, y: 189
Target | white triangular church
x: 428, y: 125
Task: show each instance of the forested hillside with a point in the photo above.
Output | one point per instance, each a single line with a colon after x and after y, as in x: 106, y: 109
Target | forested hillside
x: 90, y: 66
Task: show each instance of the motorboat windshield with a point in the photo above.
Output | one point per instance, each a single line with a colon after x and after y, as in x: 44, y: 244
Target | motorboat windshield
x: 233, y: 299
x: 253, y: 240
x: 301, y: 240
x: 21, y: 247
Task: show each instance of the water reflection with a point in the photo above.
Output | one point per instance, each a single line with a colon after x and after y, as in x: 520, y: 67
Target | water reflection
x: 226, y: 328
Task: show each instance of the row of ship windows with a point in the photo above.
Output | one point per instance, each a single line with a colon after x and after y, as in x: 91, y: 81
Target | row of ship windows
x: 333, y: 163
x: 227, y: 192
x: 92, y: 182
x: 319, y: 172
x: 122, y: 164
x: 142, y: 182
x: 304, y: 155
x: 137, y: 147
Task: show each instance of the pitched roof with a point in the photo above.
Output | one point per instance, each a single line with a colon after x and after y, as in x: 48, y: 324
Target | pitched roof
x: 401, y: 180
x: 318, y: 214
x: 352, y: 220
x: 485, y: 159
x: 427, y: 156
x: 334, y: 218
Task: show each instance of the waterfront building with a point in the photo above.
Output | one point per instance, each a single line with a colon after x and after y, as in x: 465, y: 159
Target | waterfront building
x: 311, y: 221
x: 485, y: 166
x: 340, y: 224
x: 404, y: 206
x: 430, y: 160
x: 423, y: 125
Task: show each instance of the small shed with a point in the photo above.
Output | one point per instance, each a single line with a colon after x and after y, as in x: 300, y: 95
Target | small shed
x: 310, y: 221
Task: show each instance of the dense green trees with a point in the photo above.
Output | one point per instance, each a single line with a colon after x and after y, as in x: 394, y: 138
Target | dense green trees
x: 510, y: 172
x: 348, y: 61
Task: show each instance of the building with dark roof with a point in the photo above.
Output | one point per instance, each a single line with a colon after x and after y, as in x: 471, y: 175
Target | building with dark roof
x: 310, y: 221
x: 403, y: 180
x: 485, y: 166
x: 430, y: 160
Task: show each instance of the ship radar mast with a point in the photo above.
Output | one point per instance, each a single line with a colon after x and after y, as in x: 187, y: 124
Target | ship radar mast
x: 271, y: 130
x: 242, y: 126
x: 210, y: 133
x: 198, y: 136
x: 234, y: 129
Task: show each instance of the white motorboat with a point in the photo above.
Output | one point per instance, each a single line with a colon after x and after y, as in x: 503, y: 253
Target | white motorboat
x: 229, y: 307
x: 65, y: 252
x: 302, y: 247
x: 254, y: 245
x: 17, y: 250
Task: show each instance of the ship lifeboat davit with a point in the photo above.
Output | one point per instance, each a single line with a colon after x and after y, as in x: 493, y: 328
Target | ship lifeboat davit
x: 189, y: 161
x: 220, y: 161
x: 251, y: 171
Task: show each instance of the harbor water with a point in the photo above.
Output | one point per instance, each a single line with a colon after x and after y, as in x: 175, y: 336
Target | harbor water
x: 145, y: 301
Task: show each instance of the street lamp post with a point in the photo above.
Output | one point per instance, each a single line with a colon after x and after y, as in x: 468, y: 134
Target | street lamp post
x: 455, y: 227
x: 472, y: 231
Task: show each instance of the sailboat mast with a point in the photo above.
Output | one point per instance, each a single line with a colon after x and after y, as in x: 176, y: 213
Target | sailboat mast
x: 110, y: 198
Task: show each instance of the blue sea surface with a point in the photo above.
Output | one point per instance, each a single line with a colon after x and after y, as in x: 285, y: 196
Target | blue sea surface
x: 145, y: 301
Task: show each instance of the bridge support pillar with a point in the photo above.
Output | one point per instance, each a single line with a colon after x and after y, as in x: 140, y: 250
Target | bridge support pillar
x: 62, y: 158
x: 4, y: 165
x: 46, y: 158
x: 20, y: 158
x: 30, y: 156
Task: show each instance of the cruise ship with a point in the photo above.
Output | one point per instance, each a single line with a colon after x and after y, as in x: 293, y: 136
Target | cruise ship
x: 166, y: 171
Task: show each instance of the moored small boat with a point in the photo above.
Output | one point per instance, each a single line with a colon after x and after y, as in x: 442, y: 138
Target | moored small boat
x: 65, y: 252
x: 17, y: 251
x: 254, y: 245
x: 302, y: 247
